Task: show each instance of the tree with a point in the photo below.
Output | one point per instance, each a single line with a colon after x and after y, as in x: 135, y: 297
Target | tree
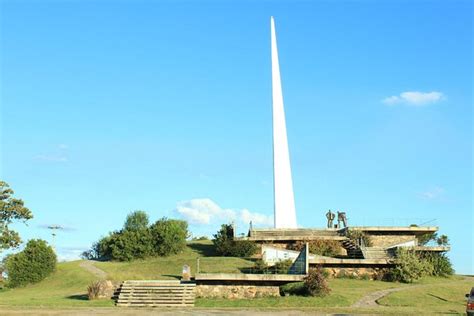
x: 11, y: 209
x: 227, y: 246
x: 169, y: 236
x: 31, y: 265
x: 442, y: 240
x: 136, y: 220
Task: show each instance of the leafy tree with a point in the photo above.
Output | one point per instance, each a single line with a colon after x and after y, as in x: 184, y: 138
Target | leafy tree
x: 169, y: 236
x: 424, y: 239
x: 31, y: 265
x: 136, y: 220
x: 130, y: 244
x: 223, y: 240
x: 11, y: 209
x: 227, y: 246
x: 442, y: 240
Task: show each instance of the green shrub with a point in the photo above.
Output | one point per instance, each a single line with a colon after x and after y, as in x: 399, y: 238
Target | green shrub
x: 169, y: 236
x: 131, y: 244
x: 329, y: 248
x: 282, y: 266
x: 315, y: 283
x: 137, y: 240
x: 31, y: 265
x: 439, y: 262
x: 260, y: 266
x: 409, y: 266
x: 136, y: 220
x: 296, y: 288
x: 227, y: 246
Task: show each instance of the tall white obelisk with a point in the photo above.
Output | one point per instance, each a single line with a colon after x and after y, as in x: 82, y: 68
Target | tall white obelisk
x: 285, y: 214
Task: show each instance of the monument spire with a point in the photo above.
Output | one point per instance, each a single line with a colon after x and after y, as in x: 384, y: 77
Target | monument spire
x: 285, y: 214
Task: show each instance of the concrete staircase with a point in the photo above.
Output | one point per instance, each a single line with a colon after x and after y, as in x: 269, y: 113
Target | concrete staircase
x: 156, y: 293
x: 353, y: 250
x: 375, y: 253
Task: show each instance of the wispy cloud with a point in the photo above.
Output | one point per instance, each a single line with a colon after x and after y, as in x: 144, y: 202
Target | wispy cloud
x: 205, y: 211
x: 415, y: 98
x: 432, y: 194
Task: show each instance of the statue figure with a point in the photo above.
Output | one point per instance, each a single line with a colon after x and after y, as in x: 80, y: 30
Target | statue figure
x: 330, y: 216
x: 341, y: 217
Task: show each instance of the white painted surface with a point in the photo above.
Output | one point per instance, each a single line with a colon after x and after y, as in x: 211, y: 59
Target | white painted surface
x: 285, y: 214
x: 272, y: 255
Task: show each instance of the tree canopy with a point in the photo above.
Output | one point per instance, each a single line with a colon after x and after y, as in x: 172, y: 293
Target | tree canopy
x: 11, y: 209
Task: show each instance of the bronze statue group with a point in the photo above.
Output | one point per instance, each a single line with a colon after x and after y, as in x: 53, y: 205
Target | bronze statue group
x: 341, y: 217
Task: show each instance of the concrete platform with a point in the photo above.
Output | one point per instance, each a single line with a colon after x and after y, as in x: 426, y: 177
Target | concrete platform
x: 248, y: 277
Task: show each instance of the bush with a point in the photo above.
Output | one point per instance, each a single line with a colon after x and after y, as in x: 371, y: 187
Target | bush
x: 31, y: 265
x: 129, y: 244
x: 260, y: 266
x: 329, y: 248
x: 169, y: 236
x: 227, y: 246
x: 137, y: 240
x: 282, y: 266
x: 439, y: 262
x: 315, y: 283
x: 409, y: 266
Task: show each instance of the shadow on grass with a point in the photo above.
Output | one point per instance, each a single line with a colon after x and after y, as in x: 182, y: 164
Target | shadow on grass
x: 178, y: 277
x: 79, y: 297
x: 205, y: 250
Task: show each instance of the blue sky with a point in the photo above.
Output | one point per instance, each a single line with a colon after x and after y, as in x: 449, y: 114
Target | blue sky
x: 108, y: 107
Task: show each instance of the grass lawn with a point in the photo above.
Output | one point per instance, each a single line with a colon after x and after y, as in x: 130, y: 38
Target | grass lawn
x: 435, y: 295
x: 344, y: 292
x: 171, y: 267
x: 66, y: 287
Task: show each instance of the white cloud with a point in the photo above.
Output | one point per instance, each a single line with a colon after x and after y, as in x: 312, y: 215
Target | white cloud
x: 434, y: 193
x: 415, y: 98
x: 206, y: 211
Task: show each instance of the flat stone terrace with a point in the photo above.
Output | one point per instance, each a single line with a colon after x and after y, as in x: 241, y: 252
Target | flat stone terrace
x: 248, y: 277
x: 283, y: 234
x: 278, y: 234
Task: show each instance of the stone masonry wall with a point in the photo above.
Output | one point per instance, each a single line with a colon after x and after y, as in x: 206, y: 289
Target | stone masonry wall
x: 356, y: 273
x: 389, y: 240
x: 236, y: 291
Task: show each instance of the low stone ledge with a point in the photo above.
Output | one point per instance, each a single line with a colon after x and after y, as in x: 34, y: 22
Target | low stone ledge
x: 236, y: 291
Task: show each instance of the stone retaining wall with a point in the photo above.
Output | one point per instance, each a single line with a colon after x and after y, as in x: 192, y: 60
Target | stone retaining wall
x: 389, y: 240
x: 236, y: 291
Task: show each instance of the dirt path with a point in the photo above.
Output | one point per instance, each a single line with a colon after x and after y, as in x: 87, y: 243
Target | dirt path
x: 370, y: 300
x: 89, y: 266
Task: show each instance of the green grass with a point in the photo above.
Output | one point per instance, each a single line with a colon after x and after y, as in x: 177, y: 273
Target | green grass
x: 171, y: 267
x: 434, y: 294
x: 344, y: 292
x: 66, y: 287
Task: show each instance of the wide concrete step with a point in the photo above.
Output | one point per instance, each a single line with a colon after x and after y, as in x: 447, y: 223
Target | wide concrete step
x: 155, y: 293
